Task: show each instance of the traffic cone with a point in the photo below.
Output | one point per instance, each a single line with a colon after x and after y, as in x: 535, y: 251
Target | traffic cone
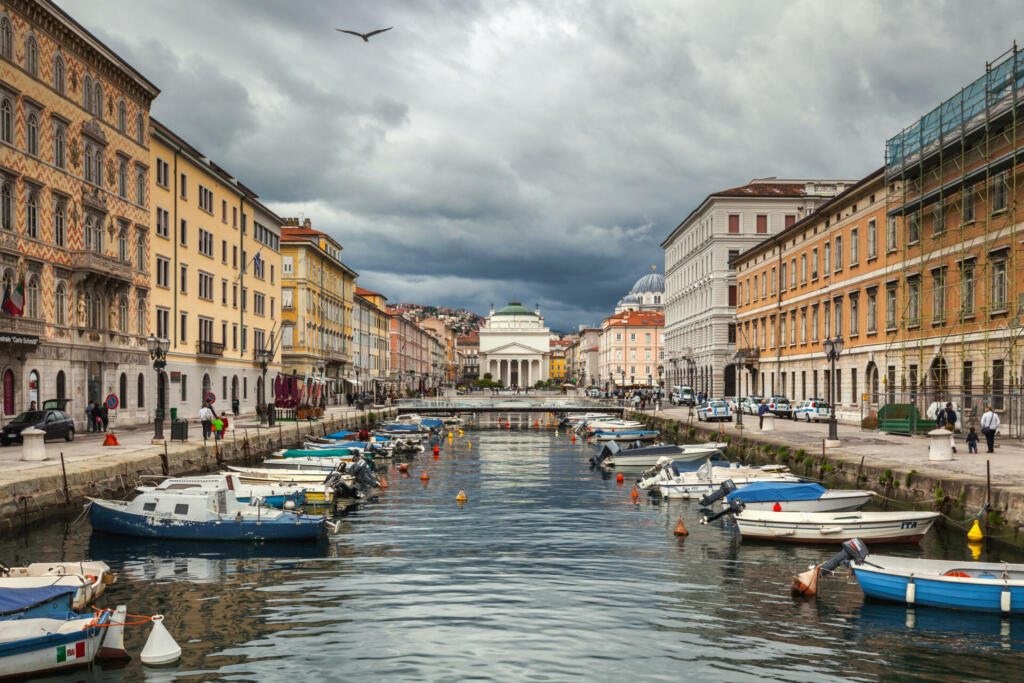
x: 111, y: 440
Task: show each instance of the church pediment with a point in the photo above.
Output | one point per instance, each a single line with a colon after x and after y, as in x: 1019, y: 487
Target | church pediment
x: 513, y: 349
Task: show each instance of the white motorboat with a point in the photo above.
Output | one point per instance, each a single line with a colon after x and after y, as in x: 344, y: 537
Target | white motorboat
x: 708, y: 479
x: 801, y: 497
x: 651, y: 456
x: 833, y: 527
x: 277, y: 496
x: 88, y: 578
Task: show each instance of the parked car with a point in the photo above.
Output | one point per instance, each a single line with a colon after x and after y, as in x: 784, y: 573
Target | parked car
x: 714, y: 410
x: 751, y: 404
x: 683, y: 395
x: 812, y: 409
x: 779, y: 406
x: 594, y: 393
x: 54, y: 421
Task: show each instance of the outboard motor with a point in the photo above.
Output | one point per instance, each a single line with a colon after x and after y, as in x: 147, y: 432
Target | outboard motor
x: 853, y: 550
x: 364, y: 477
x: 724, y: 490
x: 336, y: 482
x: 737, y: 505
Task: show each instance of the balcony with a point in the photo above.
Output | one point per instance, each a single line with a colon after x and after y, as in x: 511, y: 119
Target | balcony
x: 205, y: 347
x: 89, y: 265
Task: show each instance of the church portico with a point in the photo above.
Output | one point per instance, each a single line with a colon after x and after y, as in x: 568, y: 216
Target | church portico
x: 514, y: 346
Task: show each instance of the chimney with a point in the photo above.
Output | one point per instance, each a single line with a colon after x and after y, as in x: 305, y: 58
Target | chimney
x: 293, y: 222
x: 308, y: 224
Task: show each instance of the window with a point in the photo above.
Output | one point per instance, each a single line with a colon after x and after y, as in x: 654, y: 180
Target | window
x: 205, y: 242
x: 826, y: 315
x: 183, y: 233
x: 287, y: 265
x: 733, y: 253
x: 97, y: 99
x: 162, y: 222
x: 32, y: 216
x: 87, y: 93
x: 803, y: 269
x: 224, y: 292
x: 59, y: 223
x: 854, y: 321
x: 632, y: 337
x: 140, y: 188
x: 872, y: 241
x: 31, y: 56
x: 163, y: 324
x: 58, y: 74
x: 783, y: 280
x: 205, y: 286
x: 890, y: 306
x: 732, y: 299
x: 890, y: 235
x: 782, y: 330
x: 969, y: 195
x: 184, y: 279
x: 234, y: 216
x: 938, y: 219
x: 999, y: 297
x: 32, y: 134
x: 122, y: 314
x: 913, y: 228
x: 764, y: 285
x: 803, y: 325
x: 792, y: 327
x: 755, y: 288
x: 734, y: 223
x: 122, y: 179
x: 122, y: 245
x: 6, y: 38
x: 967, y: 288
x: 223, y: 211
x: 245, y: 298
x: 814, y: 264
x: 184, y: 387
x: 60, y: 147
x: 234, y: 295
x: 122, y: 117
x: 7, y: 121
x: 938, y: 295
x: 140, y: 130
x: 93, y: 234
x: 854, y: 246
x: 163, y: 265
x: 839, y: 253
x: 140, y: 390
x: 827, y: 257
x: 258, y: 303
x: 140, y: 316
x: 206, y: 199
x: 162, y: 172
x: 999, y: 192
x: 792, y: 274
x: 286, y: 297
x: 837, y: 309
x: 88, y: 166
x: 773, y: 281
x: 183, y: 329
x: 814, y: 323
x: 184, y: 186
x: 32, y: 309
x: 913, y: 300
x: 790, y: 219
x: 60, y: 308
x: 762, y: 224
x: 872, y: 311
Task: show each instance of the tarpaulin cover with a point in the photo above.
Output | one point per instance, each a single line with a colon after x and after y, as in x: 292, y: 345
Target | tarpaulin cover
x: 19, y: 599
x: 767, y: 491
x: 429, y: 422
x: 338, y: 435
x: 401, y: 428
x: 681, y: 467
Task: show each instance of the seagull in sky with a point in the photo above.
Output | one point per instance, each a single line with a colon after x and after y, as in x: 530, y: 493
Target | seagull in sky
x: 365, y: 36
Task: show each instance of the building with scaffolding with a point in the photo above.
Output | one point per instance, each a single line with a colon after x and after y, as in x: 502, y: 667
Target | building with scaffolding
x: 938, y: 313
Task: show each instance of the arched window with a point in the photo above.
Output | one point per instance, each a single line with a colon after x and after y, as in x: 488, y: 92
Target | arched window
x: 58, y: 74
x: 31, y: 56
x: 60, y: 148
x: 122, y: 397
x: 62, y: 389
x: 32, y: 135
x: 32, y: 216
x: 122, y: 245
x: 88, y: 163
x: 140, y: 188
x: 32, y: 309
x: 6, y: 38
x: 87, y: 93
x: 60, y: 304
x: 6, y: 206
x: 98, y: 170
x: 140, y: 391
x: 122, y: 117
x: 7, y: 121
x: 97, y: 99
x: 59, y: 223
x: 122, y: 179
x: 140, y: 316
x: 140, y: 129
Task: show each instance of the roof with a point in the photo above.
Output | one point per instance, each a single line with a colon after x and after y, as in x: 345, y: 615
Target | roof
x: 366, y: 292
x: 652, y: 282
x: 514, y: 308
x: 636, y: 319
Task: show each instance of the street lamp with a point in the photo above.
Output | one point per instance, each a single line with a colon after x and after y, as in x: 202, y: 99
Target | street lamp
x: 833, y: 347
x: 739, y: 359
x: 263, y: 358
x: 157, y: 348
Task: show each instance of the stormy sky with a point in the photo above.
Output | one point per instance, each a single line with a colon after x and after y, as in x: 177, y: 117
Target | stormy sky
x: 485, y: 151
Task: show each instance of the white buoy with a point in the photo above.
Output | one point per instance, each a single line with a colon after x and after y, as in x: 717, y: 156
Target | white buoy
x: 160, y: 646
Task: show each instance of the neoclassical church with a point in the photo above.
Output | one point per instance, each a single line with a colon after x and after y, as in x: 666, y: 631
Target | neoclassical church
x: 648, y: 294
x: 514, y: 346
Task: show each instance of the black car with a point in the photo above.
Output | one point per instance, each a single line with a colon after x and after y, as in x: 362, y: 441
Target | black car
x: 53, y: 421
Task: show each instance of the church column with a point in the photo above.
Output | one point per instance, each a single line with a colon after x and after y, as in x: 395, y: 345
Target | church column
x: 526, y: 374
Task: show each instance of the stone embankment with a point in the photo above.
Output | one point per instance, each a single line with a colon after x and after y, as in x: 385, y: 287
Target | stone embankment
x: 896, y: 467
x: 30, y: 492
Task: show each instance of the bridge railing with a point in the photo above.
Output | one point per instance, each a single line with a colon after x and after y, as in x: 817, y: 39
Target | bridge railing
x: 470, y: 403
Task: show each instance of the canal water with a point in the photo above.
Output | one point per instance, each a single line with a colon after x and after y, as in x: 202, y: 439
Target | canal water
x: 549, y: 572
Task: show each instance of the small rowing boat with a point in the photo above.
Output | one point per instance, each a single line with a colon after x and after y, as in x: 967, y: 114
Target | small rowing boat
x: 833, y: 527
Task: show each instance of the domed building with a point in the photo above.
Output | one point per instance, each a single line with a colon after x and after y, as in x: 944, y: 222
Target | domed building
x: 514, y: 346
x: 647, y: 295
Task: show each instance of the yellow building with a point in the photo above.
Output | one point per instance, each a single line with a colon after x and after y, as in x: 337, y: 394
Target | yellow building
x: 373, y: 342
x: 317, y: 308
x: 447, y: 370
x: 216, y: 276
x: 74, y: 217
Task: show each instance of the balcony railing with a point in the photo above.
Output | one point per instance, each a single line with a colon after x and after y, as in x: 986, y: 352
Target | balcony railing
x: 95, y: 263
x: 205, y: 347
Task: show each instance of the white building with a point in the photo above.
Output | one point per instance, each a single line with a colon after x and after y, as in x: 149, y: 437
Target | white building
x: 648, y: 294
x: 700, y: 285
x: 514, y: 346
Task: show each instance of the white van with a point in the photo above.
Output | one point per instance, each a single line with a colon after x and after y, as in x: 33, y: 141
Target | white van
x: 683, y: 396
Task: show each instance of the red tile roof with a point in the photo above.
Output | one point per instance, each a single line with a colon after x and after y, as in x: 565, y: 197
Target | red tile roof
x: 292, y: 231
x: 636, y: 318
x: 366, y: 292
x: 764, y: 190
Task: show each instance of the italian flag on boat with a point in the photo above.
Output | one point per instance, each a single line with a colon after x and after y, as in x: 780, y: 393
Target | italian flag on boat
x: 70, y: 653
x: 14, y: 302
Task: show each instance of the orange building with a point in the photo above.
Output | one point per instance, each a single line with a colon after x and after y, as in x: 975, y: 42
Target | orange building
x: 632, y: 348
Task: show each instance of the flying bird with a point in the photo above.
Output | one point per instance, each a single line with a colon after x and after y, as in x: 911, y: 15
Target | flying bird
x: 365, y: 36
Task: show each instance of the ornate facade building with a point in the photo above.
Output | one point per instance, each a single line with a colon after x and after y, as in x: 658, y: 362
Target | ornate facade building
x: 514, y: 346
x: 74, y: 216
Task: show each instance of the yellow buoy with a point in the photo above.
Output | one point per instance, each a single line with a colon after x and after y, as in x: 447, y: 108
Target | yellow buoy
x: 469, y: 444
x: 461, y: 497
x: 449, y: 435
x: 975, y: 533
x: 460, y: 432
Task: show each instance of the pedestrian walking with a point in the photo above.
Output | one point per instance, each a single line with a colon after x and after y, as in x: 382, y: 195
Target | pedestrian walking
x: 761, y: 410
x: 206, y: 418
x: 218, y: 429
x: 234, y: 406
x: 90, y: 424
x: 104, y: 415
x: 946, y: 419
x: 989, y: 425
x: 972, y: 441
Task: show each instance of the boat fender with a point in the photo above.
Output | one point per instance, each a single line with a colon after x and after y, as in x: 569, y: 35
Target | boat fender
x: 911, y: 591
x: 1004, y: 601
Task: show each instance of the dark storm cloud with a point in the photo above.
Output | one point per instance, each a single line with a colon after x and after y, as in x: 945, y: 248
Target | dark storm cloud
x: 538, y: 151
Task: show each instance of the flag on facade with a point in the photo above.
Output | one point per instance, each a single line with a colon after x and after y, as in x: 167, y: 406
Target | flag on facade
x: 257, y: 262
x: 14, y: 300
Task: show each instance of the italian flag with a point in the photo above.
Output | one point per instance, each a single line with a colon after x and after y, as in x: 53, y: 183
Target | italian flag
x: 14, y: 302
x: 71, y: 653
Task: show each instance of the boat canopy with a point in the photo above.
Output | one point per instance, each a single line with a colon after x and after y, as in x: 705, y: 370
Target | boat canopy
x: 14, y: 600
x: 767, y: 491
x: 684, y: 467
x: 316, y: 453
x: 401, y: 428
x: 430, y: 422
x: 338, y: 435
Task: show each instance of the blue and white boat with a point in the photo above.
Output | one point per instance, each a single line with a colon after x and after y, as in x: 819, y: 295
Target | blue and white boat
x: 40, y: 634
x: 201, y: 514
x: 797, y: 497
x: 281, y: 497
x: 627, y: 435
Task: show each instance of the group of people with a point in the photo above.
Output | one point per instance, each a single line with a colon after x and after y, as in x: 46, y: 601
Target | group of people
x: 646, y: 397
x: 96, y: 417
x: 946, y: 418
x: 213, y: 424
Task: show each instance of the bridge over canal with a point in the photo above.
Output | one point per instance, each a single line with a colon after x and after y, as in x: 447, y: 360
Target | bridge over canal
x: 509, y: 404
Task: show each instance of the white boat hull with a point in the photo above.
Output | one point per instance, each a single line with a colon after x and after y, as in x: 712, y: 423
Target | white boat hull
x: 685, y: 490
x: 78, y: 650
x: 644, y: 461
x: 830, y: 501
x: 827, y: 527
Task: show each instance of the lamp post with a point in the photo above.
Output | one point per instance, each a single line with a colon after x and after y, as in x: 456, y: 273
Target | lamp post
x: 833, y: 347
x: 157, y: 348
x: 263, y: 358
x: 739, y: 359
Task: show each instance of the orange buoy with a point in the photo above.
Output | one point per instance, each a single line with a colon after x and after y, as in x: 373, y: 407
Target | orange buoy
x: 403, y: 467
x: 619, y: 478
x: 806, y: 583
x: 424, y: 476
x: 383, y: 482
x: 635, y: 494
x: 111, y: 440
x: 508, y: 425
x: 572, y: 439
x: 680, y: 529
x: 461, y: 497
x: 436, y: 449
